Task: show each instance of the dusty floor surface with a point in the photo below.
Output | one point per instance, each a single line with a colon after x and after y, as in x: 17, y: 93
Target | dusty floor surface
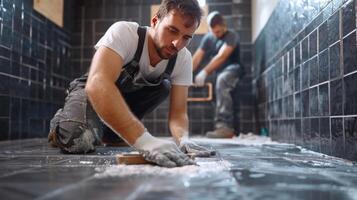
x: 244, y: 168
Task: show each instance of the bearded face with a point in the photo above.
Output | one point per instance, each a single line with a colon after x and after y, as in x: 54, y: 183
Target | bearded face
x: 172, y: 33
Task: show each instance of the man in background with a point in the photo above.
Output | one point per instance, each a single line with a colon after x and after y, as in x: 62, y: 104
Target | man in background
x: 221, y: 46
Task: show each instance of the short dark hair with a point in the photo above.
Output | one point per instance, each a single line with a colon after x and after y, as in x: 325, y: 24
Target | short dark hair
x: 189, y: 8
x: 215, y: 18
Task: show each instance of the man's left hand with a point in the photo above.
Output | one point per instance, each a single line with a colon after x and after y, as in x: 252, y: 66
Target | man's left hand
x: 188, y: 146
x: 200, y: 78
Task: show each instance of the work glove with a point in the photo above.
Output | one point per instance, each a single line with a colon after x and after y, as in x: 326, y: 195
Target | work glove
x: 200, y: 78
x: 188, y: 146
x: 162, y: 152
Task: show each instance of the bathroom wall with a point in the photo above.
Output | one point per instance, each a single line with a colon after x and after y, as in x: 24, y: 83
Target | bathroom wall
x: 305, y: 75
x: 35, y: 68
x: 98, y: 15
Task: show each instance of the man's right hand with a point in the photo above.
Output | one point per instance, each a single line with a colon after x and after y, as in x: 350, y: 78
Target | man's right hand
x: 162, y: 152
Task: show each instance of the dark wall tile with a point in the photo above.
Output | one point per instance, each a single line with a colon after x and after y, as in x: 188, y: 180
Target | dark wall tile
x: 298, y: 132
x: 4, y: 127
x: 306, y: 132
x: 335, y: 60
x: 224, y: 9
x: 291, y: 60
x: 336, y: 92
x: 334, y: 28
x: 323, y: 36
x: 305, y: 74
x: 297, y: 54
x: 297, y: 78
x: 297, y: 105
x: 348, y: 18
x: 350, y: 124
x: 324, y: 67
x: 350, y: 94
x: 314, y: 71
x: 324, y: 100
x: 305, y: 49
x: 315, y: 134
x: 325, y: 135
x: 313, y: 102
x: 4, y: 106
x: 337, y: 138
x: 313, y: 43
x: 305, y: 103
x: 349, y: 53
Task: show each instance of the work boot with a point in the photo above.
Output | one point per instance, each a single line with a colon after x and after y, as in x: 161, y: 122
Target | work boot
x: 220, y: 133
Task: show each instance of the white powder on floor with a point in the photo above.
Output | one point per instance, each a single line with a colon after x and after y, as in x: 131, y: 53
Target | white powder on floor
x: 203, y: 168
x: 243, y: 139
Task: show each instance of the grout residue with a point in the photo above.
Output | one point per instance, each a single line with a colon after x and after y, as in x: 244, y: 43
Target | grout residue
x: 202, y: 169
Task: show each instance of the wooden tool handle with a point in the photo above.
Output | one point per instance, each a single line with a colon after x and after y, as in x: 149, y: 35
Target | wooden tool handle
x: 137, y: 158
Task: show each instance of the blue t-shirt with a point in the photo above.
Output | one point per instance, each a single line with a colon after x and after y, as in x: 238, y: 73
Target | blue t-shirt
x: 211, y: 45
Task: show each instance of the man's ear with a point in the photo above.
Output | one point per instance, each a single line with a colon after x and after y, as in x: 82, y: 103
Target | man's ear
x: 154, y: 20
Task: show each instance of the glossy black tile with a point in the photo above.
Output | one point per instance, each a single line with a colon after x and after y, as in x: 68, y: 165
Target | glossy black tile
x: 4, y: 105
x: 325, y: 135
x: 297, y: 79
x: 306, y: 132
x: 297, y: 52
x: 313, y: 101
x: 305, y: 49
x: 324, y: 67
x: 337, y: 137
x: 314, y: 71
x: 315, y: 135
x: 4, y: 126
x: 305, y: 74
x: 350, y: 124
x: 291, y: 60
x: 350, y: 94
x: 335, y: 61
x: 323, y: 36
x: 313, y: 44
x: 336, y: 91
x: 348, y: 18
x: 6, y: 37
x: 4, y: 85
x: 349, y: 53
x: 290, y: 106
x: 298, y: 132
x: 305, y: 103
x: 334, y: 27
x: 324, y: 100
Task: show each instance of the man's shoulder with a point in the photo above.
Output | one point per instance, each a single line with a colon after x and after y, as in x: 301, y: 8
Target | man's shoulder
x: 125, y: 25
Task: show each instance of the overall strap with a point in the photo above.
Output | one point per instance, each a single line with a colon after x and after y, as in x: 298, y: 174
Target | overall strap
x: 139, y: 49
x: 170, y: 67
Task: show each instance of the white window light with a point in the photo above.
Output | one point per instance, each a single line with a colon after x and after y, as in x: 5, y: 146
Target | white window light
x: 202, y: 3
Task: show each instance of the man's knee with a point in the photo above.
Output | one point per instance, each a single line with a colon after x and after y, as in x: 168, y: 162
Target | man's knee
x: 75, y: 137
x: 227, y: 79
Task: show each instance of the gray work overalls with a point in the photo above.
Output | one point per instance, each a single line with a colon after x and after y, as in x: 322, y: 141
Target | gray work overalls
x: 76, y: 128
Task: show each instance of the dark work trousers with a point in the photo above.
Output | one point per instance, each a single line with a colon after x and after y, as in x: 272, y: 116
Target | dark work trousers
x: 78, y: 128
x: 227, y: 81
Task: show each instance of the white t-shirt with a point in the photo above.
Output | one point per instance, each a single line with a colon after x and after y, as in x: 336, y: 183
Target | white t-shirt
x: 122, y: 37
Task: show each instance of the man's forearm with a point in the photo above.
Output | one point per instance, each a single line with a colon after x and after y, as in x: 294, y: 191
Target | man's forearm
x: 112, y: 109
x: 214, y: 64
